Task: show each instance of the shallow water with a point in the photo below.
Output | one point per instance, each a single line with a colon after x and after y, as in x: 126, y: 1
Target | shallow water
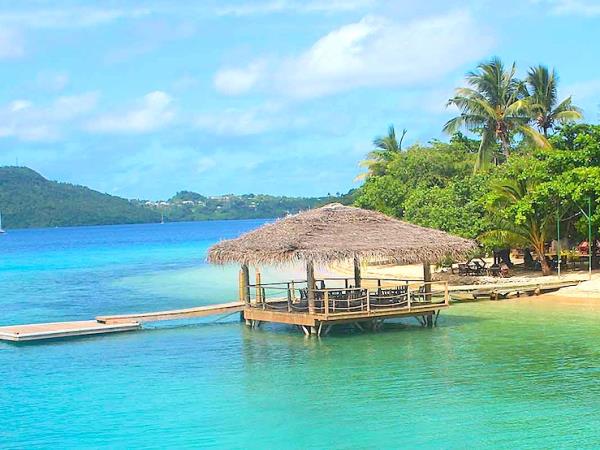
x: 523, y: 373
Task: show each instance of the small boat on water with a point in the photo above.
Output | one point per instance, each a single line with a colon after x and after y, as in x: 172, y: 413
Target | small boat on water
x: 1, y: 229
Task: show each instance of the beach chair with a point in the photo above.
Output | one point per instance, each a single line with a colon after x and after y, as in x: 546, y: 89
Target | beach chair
x: 463, y: 269
x: 494, y: 270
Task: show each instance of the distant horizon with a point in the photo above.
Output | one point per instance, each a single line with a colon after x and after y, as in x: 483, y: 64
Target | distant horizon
x: 279, y: 97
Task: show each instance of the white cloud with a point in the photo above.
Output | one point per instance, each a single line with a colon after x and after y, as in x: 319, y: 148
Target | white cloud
x: 67, y: 17
x: 26, y: 121
x: 53, y: 81
x: 235, y: 122
x: 372, y: 52
x: 152, y: 112
x: 238, y: 81
x: 265, y: 117
x: 587, y: 8
x: 12, y: 44
x: 306, y: 6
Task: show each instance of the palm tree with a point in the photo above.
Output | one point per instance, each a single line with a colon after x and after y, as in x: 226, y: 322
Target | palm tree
x: 385, y: 148
x: 531, y: 231
x: 494, y: 106
x: 543, y: 101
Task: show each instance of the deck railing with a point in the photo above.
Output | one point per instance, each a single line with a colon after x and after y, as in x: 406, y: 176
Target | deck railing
x: 377, y: 294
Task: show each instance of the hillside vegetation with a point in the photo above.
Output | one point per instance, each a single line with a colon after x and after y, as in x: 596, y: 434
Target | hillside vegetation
x: 192, y: 206
x: 29, y: 200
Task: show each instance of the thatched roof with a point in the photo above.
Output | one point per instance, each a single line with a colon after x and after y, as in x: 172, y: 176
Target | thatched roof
x: 335, y: 233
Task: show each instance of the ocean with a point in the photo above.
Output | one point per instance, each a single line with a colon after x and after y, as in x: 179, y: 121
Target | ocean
x: 512, y: 374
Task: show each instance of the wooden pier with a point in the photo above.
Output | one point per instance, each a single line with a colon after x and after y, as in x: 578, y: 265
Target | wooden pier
x: 109, y: 324
x: 316, y: 311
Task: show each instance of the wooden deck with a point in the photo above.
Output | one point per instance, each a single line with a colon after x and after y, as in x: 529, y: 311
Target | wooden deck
x: 365, y: 307
x: 314, y: 320
x: 39, y: 331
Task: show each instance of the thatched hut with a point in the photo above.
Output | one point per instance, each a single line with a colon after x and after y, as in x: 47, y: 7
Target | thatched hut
x: 336, y: 233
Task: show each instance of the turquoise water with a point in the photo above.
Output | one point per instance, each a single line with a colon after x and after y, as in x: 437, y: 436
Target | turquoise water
x: 507, y: 374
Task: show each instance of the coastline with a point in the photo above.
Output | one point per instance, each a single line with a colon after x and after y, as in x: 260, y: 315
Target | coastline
x: 586, y: 290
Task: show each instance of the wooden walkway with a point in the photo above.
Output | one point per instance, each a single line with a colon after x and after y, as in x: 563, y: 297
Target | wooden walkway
x: 201, y: 311
x: 108, y: 324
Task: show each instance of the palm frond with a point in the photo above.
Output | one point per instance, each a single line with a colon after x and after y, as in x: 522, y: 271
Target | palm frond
x: 538, y: 139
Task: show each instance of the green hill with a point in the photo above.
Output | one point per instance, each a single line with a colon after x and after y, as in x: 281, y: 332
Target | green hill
x: 186, y: 205
x: 28, y: 200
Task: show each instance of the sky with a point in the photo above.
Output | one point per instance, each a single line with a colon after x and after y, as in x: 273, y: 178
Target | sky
x: 142, y: 99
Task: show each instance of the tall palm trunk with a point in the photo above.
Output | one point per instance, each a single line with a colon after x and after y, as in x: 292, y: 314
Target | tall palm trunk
x: 539, y: 247
x: 503, y: 137
x: 546, y: 269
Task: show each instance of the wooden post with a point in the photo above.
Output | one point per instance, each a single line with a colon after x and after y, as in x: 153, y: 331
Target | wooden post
x: 245, y: 284
x: 241, y: 286
x: 446, y: 294
x: 258, y: 287
x: 408, y: 295
x: 289, y: 298
x: 326, y: 305
x: 427, y: 280
x: 368, y: 302
x: 310, y: 285
x: 356, y: 272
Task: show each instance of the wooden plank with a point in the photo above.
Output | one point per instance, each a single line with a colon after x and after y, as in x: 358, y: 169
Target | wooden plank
x: 295, y: 318
x: 280, y: 317
x: 38, y: 331
x: 175, y: 314
x: 379, y: 313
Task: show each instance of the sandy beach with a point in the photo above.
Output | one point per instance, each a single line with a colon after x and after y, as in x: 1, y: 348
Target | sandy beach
x: 586, y: 290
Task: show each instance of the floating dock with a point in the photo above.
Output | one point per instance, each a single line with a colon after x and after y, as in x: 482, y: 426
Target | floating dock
x: 39, y: 331
x: 109, y: 324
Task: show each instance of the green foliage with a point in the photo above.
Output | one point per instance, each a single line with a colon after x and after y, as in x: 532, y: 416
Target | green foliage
x: 542, y: 102
x: 499, y: 107
x: 455, y: 208
x: 29, y: 200
x: 531, y: 189
x: 190, y: 206
x: 515, y: 203
x: 385, y: 149
x: 431, y: 186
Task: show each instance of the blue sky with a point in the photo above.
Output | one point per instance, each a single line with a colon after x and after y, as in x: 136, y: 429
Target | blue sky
x: 142, y: 99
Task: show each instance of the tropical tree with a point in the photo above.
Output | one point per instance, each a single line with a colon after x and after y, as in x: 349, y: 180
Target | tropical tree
x: 385, y: 148
x: 493, y: 105
x: 543, y: 104
x: 517, y: 221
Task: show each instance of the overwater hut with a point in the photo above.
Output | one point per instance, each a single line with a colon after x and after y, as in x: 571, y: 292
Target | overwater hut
x: 332, y: 234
